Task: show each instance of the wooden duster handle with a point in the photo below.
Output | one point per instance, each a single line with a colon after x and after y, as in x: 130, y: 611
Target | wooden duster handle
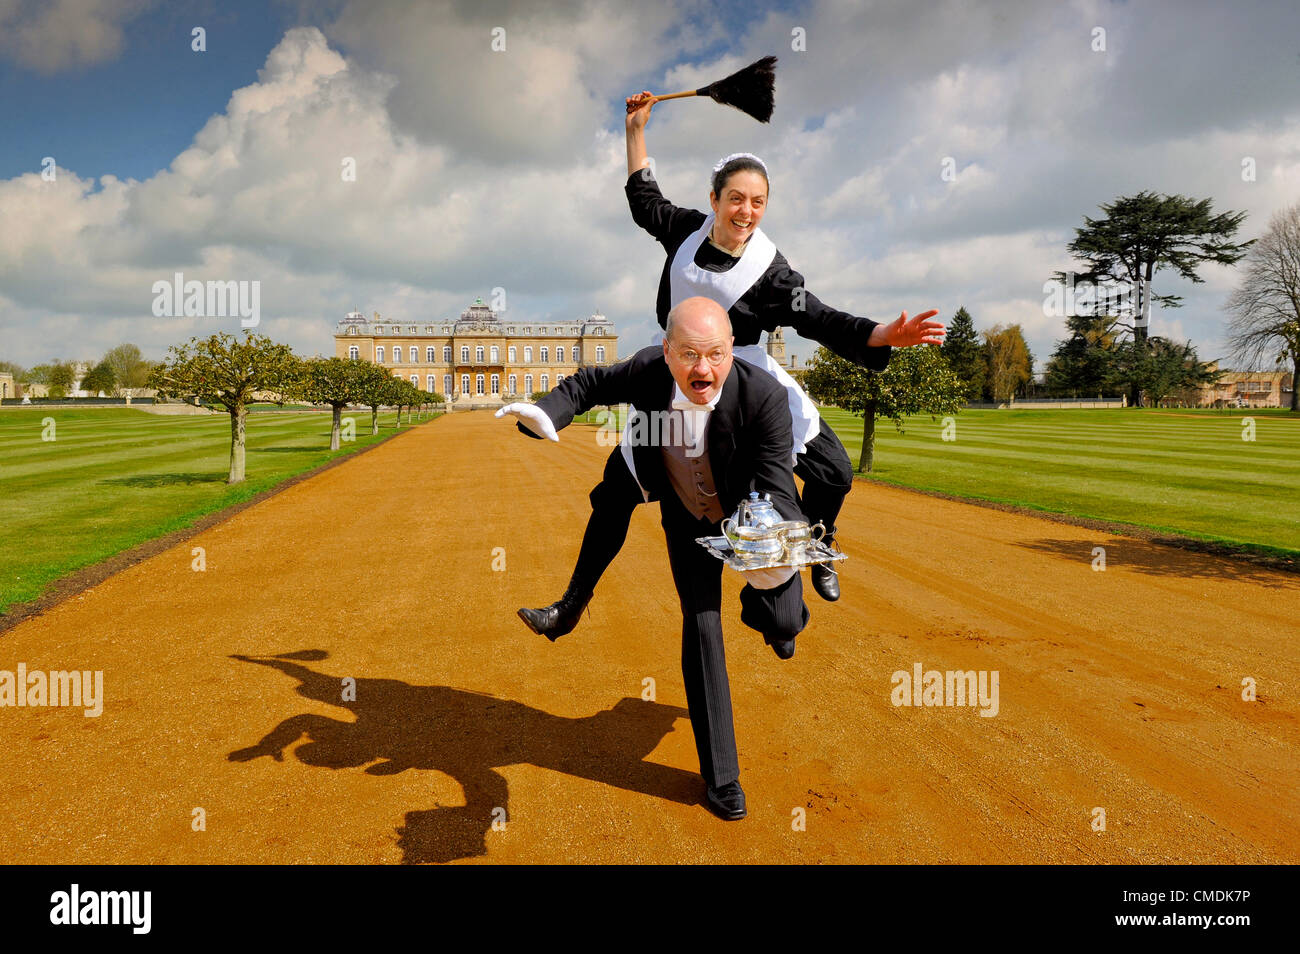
x: 655, y: 99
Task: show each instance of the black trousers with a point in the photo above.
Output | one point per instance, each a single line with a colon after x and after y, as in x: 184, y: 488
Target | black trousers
x: 778, y: 614
x: 824, y: 467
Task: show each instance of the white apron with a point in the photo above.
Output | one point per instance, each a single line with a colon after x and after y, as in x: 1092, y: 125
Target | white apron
x: 688, y: 280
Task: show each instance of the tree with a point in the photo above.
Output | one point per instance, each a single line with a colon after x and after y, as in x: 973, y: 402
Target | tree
x: 965, y: 354
x: 130, y: 369
x: 1144, y: 233
x: 395, y: 395
x: 1162, y: 367
x: 38, y: 374
x: 60, y: 378
x: 372, y: 391
x: 334, y: 381
x: 100, y: 378
x: 1010, y: 364
x: 916, y: 381
x: 227, y: 370
x: 1265, y: 308
x: 1083, y: 363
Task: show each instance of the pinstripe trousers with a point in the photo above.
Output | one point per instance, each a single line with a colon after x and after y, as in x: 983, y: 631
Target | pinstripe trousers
x: 778, y: 613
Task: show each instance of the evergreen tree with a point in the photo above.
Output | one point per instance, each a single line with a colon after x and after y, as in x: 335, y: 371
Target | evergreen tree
x: 965, y: 354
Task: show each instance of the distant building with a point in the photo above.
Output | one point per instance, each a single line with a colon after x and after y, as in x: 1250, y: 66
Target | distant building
x: 776, y: 345
x: 7, y: 387
x: 478, y: 358
x: 1246, y: 389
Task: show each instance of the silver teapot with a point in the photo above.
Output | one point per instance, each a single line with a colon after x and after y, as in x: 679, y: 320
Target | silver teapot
x: 759, y: 516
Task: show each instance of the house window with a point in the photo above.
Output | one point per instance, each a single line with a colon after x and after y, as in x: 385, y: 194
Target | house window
x: 528, y: 384
x: 513, y: 383
x: 555, y: 331
x: 546, y: 382
x: 478, y: 384
x: 415, y: 380
x: 379, y: 355
x: 558, y: 379
x: 415, y: 355
x: 446, y: 385
x: 545, y: 353
x: 559, y: 356
x: 428, y: 383
x: 510, y: 353
x: 446, y: 329
x: 600, y: 354
x: 528, y: 356
x: 352, y: 331
x: 527, y: 330
x: 478, y: 357
x: 464, y: 384
x: 354, y: 352
x: 464, y: 354
x: 429, y: 353
x: 446, y: 354
x: 496, y: 384
x: 496, y: 355
x: 600, y: 331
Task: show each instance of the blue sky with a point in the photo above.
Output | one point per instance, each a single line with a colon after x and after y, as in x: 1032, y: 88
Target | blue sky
x: 132, y: 115
x: 481, y: 169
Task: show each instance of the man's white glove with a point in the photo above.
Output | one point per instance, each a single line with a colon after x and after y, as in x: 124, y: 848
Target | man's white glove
x: 533, y: 418
x: 768, y: 579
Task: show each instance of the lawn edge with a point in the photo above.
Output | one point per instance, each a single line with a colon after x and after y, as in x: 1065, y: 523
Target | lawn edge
x: 78, y: 581
x: 1258, y: 554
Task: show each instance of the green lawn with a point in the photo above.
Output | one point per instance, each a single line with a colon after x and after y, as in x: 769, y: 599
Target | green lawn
x: 115, y: 477
x: 1184, y: 470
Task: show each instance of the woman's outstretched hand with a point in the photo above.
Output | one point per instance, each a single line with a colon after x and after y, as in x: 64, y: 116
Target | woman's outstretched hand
x: 638, y: 109
x: 903, y: 332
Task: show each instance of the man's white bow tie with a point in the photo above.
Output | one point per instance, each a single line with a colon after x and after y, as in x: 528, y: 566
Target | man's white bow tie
x: 687, y: 404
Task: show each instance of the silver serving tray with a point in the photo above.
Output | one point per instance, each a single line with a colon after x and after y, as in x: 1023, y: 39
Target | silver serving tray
x: 815, y: 552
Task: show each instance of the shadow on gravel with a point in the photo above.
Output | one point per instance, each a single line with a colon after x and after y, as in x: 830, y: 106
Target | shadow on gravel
x: 466, y: 735
x: 166, y: 480
x: 1183, y: 559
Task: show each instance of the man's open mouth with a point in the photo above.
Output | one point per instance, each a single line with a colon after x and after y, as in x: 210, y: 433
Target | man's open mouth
x: 700, y: 386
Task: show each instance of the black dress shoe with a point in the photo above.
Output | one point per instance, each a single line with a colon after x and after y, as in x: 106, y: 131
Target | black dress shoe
x: 560, y: 617
x: 727, y: 801
x: 826, y: 581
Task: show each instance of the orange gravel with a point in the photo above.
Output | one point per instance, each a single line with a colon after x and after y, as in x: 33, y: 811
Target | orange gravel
x: 1119, y: 690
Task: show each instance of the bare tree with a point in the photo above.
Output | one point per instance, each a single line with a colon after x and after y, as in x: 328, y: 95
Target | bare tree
x: 1265, y: 308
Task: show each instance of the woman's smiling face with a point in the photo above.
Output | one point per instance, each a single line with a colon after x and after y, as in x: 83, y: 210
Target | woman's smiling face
x: 740, y: 207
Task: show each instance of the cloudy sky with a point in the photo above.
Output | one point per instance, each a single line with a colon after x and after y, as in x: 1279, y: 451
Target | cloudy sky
x: 479, y: 169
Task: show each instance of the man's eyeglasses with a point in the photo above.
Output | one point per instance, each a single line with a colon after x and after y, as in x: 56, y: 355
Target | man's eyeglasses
x: 692, y: 358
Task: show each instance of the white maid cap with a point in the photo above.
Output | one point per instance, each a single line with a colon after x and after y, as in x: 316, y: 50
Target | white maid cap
x: 739, y: 155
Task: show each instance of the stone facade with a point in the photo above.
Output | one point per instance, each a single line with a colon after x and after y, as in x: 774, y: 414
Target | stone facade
x: 479, y: 358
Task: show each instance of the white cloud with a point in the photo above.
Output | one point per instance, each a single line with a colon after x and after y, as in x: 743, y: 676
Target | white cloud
x: 50, y: 36
x: 478, y: 169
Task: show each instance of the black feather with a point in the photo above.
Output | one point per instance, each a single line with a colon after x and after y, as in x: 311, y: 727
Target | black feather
x: 750, y: 90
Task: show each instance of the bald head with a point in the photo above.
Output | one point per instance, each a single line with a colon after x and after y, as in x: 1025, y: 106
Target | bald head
x: 698, y: 314
x: 696, y: 334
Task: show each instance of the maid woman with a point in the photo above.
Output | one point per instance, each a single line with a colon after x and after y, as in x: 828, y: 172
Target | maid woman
x: 725, y: 256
